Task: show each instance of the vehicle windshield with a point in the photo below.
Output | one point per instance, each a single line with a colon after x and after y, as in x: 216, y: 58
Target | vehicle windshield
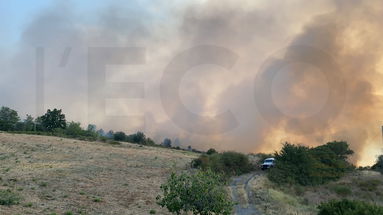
x: 268, y: 160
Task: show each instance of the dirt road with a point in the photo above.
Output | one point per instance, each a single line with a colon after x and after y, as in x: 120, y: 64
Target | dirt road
x: 242, y: 195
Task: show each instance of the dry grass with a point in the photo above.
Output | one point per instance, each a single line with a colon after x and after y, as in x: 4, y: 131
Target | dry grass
x: 297, y: 200
x: 58, y: 175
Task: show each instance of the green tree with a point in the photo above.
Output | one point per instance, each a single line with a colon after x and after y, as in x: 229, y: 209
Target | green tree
x: 211, y: 151
x: 74, y: 129
x: 302, y: 165
x: 202, y: 193
x: 119, y: 136
x: 8, y: 119
x: 378, y: 166
x: 29, y: 123
x: 139, y: 137
x: 167, y: 142
x: 226, y: 163
x: 92, y: 128
x: 53, y: 119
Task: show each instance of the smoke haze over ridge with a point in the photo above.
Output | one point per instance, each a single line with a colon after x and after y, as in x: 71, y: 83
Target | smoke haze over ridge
x: 261, y: 36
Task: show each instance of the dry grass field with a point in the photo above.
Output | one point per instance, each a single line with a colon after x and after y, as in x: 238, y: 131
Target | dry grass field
x: 271, y: 199
x: 55, y: 175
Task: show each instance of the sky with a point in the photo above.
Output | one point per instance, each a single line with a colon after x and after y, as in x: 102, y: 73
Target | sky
x: 232, y: 75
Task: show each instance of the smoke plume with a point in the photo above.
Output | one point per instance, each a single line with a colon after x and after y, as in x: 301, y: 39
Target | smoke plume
x: 304, y: 72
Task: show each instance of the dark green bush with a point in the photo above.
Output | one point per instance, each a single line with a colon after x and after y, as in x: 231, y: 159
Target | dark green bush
x: 202, y: 193
x: 302, y: 165
x: 378, y: 166
x: 211, y: 151
x: 8, y: 119
x: 119, y: 136
x: 227, y: 163
x: 8, y: 197
x: 348, y: 207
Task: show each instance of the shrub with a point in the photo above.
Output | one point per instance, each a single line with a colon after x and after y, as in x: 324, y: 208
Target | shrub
x: 138, y: 137
x: 8, y: 197
x: 201, y: 193
x: 378, y: 166
x: 119, y: 136
x: 211, y: 151
x: 8, y: 119
x: 348, y: 207
x: 302, y: 165
x: 341, y: 190
x: 167, y: 143
x: 369, y: 185
x: 74, y: 129
x: 227, y: 163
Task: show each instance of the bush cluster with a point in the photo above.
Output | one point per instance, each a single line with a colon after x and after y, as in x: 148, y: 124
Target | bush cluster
x: 202, y: 193
x: 138, y: 138
x: 378, y: 166
x: 7, y: 197
x: 227, y: 163
x: 302, y: 165
x: 348, y: 207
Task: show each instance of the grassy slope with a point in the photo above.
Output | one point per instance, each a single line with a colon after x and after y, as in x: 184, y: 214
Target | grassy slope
x: 293, y: 200
x: 56, y: 175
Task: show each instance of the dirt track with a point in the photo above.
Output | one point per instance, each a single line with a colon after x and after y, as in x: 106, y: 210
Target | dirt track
x: 242, y: 194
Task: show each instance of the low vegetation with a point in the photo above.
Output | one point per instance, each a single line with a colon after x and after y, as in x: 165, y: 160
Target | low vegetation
x: 202, y: 193
x: 7, y: 197
x: 349, y: 207
x: 226, y: 163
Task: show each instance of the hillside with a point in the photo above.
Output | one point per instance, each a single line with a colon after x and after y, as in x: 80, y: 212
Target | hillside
x: 57, y: 175
x: 271, y: 199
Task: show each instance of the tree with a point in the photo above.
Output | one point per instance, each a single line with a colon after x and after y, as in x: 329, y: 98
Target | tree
x: 29, y: 123
x: 226, y: 163
x: 167, y: 142
x: 92, y: 128
x: 378, y: 166
x: 211, y: 151
x: 74, y: 129
x: 53, y: 119
x: 302, y: 165
x: 202, y: 193
x: 139, y: 137
x: 110, y: 134
x: 119, y: 136
x: 8, y: 119
x: 101, y: 132
x: 149, y: 141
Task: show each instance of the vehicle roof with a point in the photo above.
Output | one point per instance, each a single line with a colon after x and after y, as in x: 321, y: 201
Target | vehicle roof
x: 270, y: 159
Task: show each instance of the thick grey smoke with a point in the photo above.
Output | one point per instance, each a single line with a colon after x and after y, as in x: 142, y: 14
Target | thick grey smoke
x: 305, y: 72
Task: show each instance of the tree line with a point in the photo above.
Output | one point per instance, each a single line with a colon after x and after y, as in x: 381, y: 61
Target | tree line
x: 54, y: 122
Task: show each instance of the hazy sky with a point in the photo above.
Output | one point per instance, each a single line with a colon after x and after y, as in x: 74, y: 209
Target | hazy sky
x: 233, y: 75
